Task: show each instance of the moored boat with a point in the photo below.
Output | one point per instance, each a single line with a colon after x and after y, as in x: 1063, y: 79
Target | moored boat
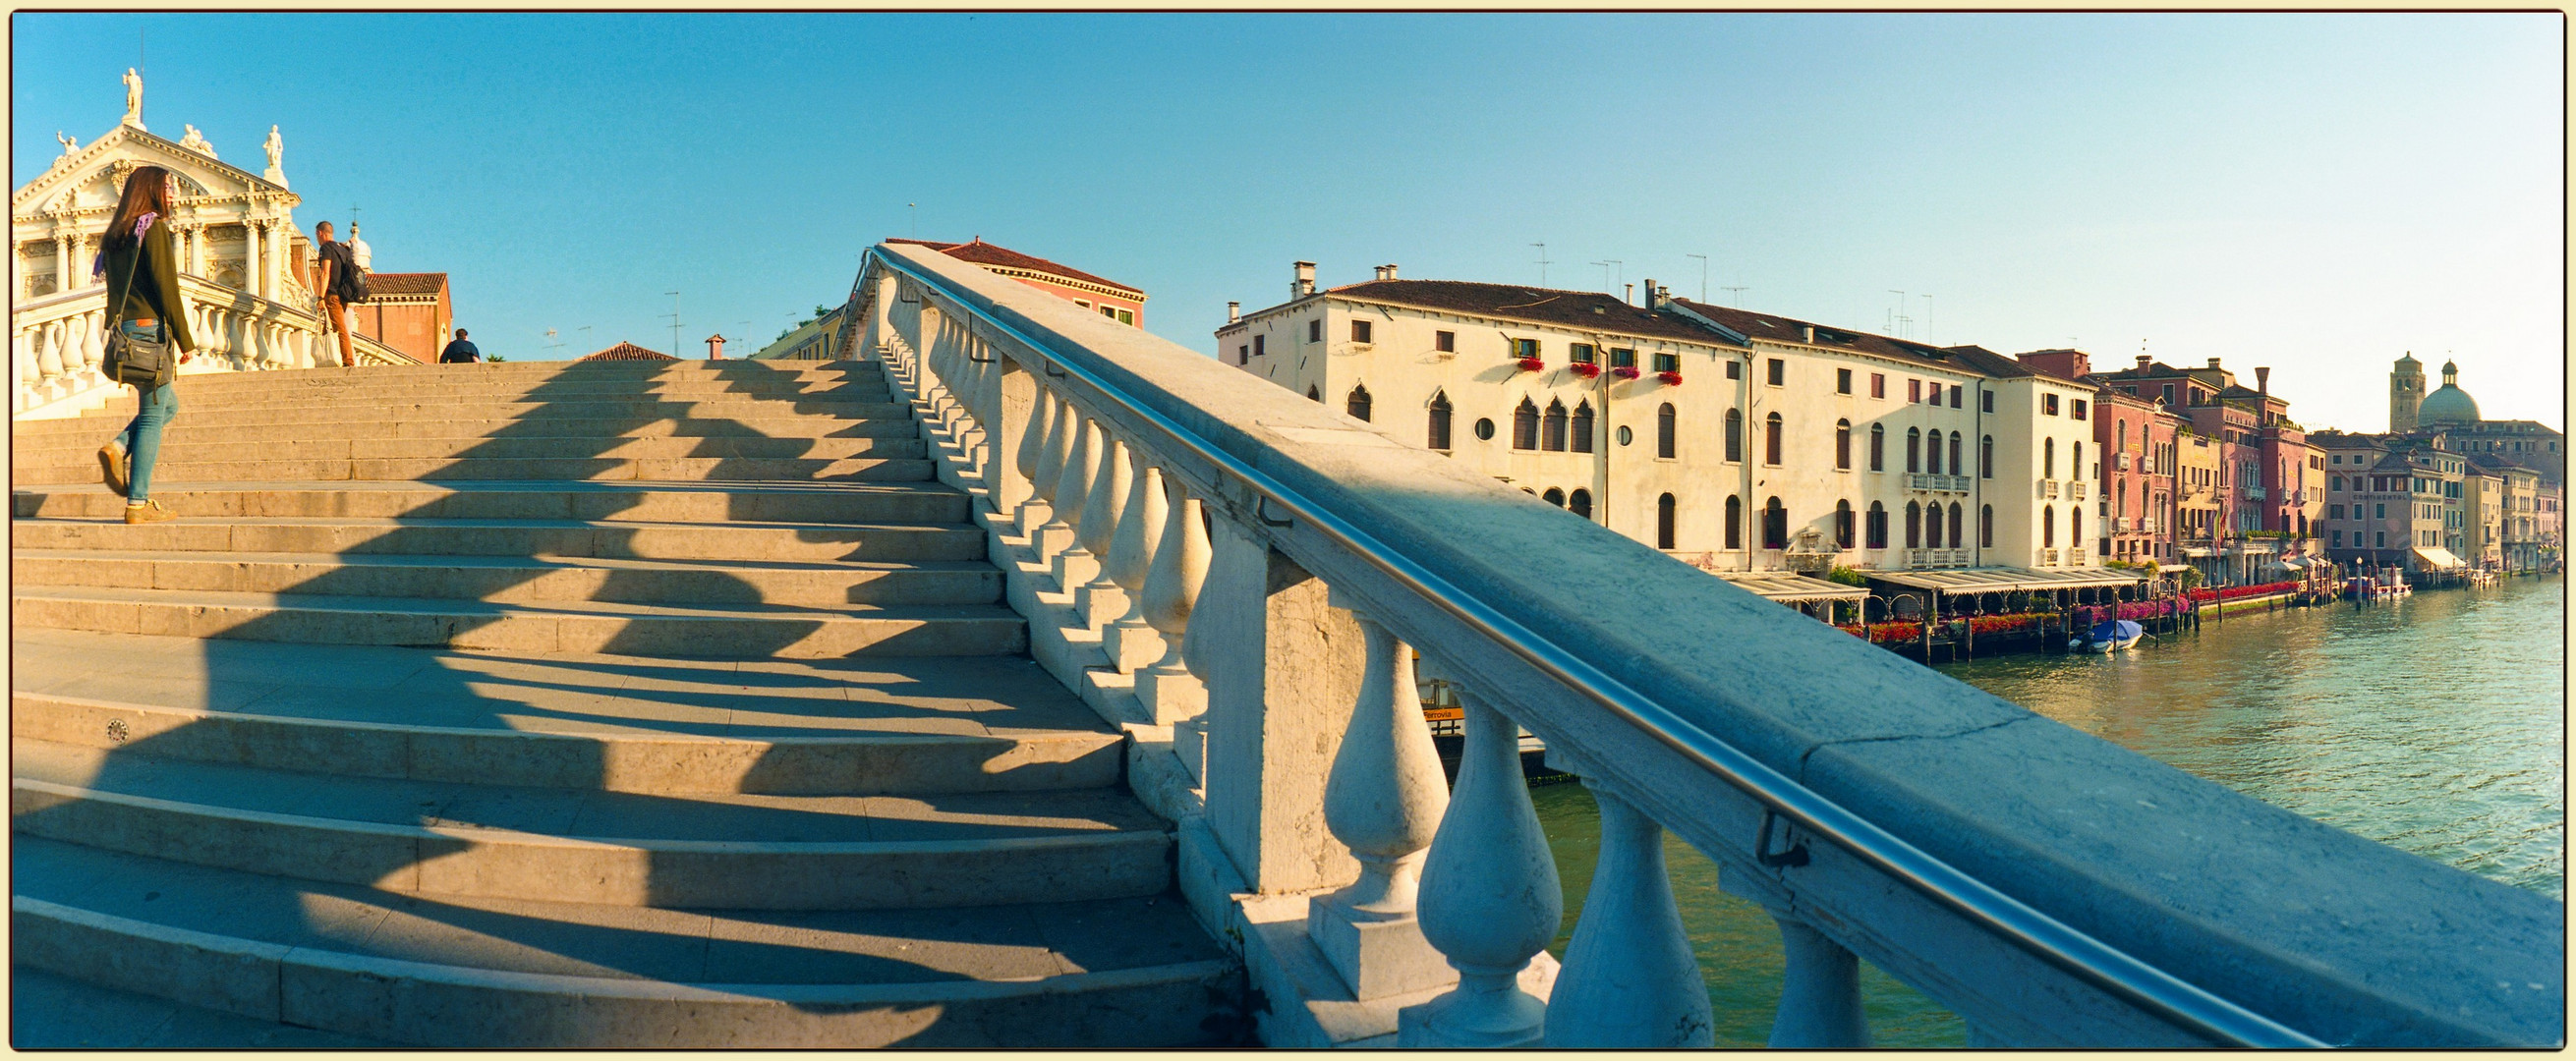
x: 2109, y: 636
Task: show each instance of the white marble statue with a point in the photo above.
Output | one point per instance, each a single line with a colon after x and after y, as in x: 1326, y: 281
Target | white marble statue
x: 276, y: 148
x: 70, y: 144
x: 133, y: 98
x: 196, y: 142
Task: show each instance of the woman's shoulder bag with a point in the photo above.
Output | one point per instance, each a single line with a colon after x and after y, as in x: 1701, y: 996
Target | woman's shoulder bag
x: 139, y: 363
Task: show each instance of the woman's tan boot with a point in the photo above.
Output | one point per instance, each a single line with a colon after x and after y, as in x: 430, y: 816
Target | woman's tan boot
x: 147, y: 512
x: 111, y: 463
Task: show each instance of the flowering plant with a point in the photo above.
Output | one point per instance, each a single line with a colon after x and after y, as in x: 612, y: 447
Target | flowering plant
x: 1586, y: 369
x: 1670, y: 377
x: 2234, y: 592
x: 1532, y: 364
x: 1625, y: 372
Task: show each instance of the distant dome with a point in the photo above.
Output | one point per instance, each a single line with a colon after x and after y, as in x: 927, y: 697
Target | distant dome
x: 2448, y: 405
x: 359, y: 252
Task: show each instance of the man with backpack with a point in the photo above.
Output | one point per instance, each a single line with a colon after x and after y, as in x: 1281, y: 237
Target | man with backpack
x: 460, y: 352
x: 337, y: 281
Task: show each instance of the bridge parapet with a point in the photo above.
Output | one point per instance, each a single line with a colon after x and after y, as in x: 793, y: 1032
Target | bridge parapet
x: 1243, y: 579
x: 55, y: 343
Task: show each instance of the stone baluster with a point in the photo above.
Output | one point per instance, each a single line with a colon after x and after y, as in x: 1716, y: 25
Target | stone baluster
x: 1129, y: 641
x: 1048, y: 537
x: 1629, y: 978
x: 1099, y: 599
x: 81, y: 354
x: 1383, y: 799
x: 1490, y: 896
x: 1819, y: 993
x: 1010, y: 408
x: 1033, y: 508
x: 22, y: 363
x: 1072, y: 564
x: 49, y: 354
x: 872, y: 338
x: 1170, y: 693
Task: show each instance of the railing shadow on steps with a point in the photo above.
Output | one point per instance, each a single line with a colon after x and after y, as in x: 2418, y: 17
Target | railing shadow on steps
x: 1242, y: 578
x: 470, y: 693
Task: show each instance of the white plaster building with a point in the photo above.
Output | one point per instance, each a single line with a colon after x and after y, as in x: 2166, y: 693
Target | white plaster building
x: 2046, y: 463
x: 1772, y: 439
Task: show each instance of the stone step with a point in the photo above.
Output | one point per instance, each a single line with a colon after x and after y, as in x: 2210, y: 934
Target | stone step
x: 631, y: 410
x: 238, y: 387
x: 520, y: 580
x: 49, y: 1012
x: 624, y: 539
x: 877, y: 726
x: 555, y: 626
x: 194, y: 425
x: 219, y: 450
x: 866, y: 503
x: 178, y: 465
x: 488, y: 973
x: 726, y: 850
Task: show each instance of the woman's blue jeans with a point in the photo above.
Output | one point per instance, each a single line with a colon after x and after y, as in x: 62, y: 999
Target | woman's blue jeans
x: 142, y: 436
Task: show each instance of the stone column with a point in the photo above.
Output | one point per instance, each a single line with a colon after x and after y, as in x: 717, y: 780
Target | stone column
x: 254, y: 277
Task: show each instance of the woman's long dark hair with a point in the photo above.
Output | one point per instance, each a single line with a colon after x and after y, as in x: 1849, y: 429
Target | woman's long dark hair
x: 147, y: 191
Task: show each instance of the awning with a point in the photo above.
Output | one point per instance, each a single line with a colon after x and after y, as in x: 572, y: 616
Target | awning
x: 1790, y: 588
x: 2293, y: 563
x: 2171, y: 568
x: 2197, y: 550
x: 2436, y: 556
x: 2006, y: 579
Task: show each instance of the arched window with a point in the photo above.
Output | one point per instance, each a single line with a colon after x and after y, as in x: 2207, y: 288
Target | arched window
x: 1312, y: 394
x: 2075, y: 466
x: 1913, y: 449
x: 1775, y: 525
x: 1913, y: 525
x: 1842, y: 445
x: 2124, y: 436
x: 1956, y: 468
x: 1877, y: 447
x: 1932, y: 454
x: 1580, y: 437
x: 1957, y: 516
x: 1771, y: 439
x: 1357, y: 404
x: 2048, y: 458
x: 1734, y: 435
x: 1843, y: 525
x: 1552, y: 436
x: 1553, y: 496
x: 1734, y: 522
x: 2120, y: 500
x: 1932, y: 525
x: 1667, y: 513
x: 1877, y: 526
x: 2075, y: 526
x: 1525, y: 426
x: 1986, y: 526
x: 1439, y: 419
x: 1986, y: 457
x: 2047, y: 526
x: 1579, y: 503
x: 1667, y: 430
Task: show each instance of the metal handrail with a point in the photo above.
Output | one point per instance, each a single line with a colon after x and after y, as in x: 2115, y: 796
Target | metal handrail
x: 2169, y: 997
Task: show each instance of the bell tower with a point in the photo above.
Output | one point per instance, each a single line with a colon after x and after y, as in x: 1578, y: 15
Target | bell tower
x: 2405, y: 393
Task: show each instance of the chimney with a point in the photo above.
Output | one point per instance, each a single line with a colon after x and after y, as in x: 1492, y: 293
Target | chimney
x: 1806, y: 333
x: 715, y: 347
x: 1386, y: 272
x: 2213, y: 362
x: 1233, y: 312
x: 2263, y: 380
x: 1631, y: 296
x: 1304, y: 284
x: 1650, y: 292
x: 2145, y: 362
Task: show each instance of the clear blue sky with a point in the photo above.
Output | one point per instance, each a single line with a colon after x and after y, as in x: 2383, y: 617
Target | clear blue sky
x: 2319, y: 193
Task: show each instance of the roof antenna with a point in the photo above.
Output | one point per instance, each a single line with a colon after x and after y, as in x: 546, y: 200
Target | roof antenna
x: 1703, y: 276
x: 1542, y: 263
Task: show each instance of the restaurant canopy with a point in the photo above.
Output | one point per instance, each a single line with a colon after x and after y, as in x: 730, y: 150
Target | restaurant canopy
x: 1790, y: 588
x: 2006, y: 579
x: 2436, y: 556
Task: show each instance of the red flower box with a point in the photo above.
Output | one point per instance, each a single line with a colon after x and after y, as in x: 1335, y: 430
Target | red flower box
x: 1532, y: 364
x: 1671, y: 378
x: 1586, y: 369
x: 1625, y: 372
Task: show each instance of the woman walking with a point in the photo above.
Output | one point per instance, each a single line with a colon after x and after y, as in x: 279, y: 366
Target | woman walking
x: 143, y: 304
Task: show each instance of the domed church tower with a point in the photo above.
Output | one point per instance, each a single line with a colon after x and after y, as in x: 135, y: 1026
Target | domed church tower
x: 2449, y: 406
x: 2405, y: 393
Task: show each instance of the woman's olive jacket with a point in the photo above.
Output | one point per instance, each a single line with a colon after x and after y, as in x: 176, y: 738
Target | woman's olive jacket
x: 154, y: 291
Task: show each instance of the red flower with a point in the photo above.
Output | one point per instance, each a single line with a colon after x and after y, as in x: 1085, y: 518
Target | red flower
x: 1586, y: 369
x: 1532, y: 364
x: 1625, y: 372
x: 1673, y: 378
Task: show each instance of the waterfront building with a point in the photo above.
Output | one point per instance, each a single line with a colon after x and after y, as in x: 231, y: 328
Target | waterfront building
x: 2136, y: 436
x: 1109, y: 298
x: 2524, y: 526
x: 1732, y: 439
x: 2397, y: 501
x: 2453, y: 412
x: 2484, y: 500
x: 2197, y: 509
x: 2266, y: 497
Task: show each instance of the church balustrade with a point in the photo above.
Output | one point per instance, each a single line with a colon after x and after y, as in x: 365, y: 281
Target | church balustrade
x: 56, y: 343
x: 1254, y: 588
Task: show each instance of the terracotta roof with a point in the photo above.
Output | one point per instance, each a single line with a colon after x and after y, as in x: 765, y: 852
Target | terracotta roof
x: 406, y: 283
x: 1575, y: 309
x: 1777, y: 328
x: 625, y: 351
x: 1991, y: 363
x: 982, y: 253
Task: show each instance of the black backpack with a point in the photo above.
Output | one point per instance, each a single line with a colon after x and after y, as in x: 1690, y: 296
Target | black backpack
x: 352, y: 285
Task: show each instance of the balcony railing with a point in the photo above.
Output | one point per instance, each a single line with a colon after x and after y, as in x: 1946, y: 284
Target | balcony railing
x: 1241, y: 579
x: 2048, y: 488
x: 2120, y: 461
x: 2075, y: 489
x: 2254, y: 493
x: 56, y: 343
x: 1938, y: 483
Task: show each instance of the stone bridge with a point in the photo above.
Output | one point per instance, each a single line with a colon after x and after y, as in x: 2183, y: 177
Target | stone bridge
x: 1023, y: 679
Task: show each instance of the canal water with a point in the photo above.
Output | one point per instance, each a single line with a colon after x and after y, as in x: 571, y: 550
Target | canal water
x: 2434, y: 723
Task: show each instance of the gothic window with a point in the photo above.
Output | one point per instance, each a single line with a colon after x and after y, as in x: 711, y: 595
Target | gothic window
x: 1552, y: 436
x: 1357, y: 404
x: 2048, y: 458
x: 1843, y: 525
x: 1932, y: 454
x: 1581, y: 428
x: 1932, y: 526
x: 1957, y: 516
x: 1775, y: 525
x: 1986, y: 526
x: 1734, y: 435
x: 2075, y: 525
x: 2047, y: 526
x: 2075, y: 467
x: 1877, y: 447
x: 1842, y: 444
x: 1771, y: 439
x: 1734, y: 522
x: 1580, y: 503
x: 1666, y: 514
x: 1525, y: 426
x: 1439, y: 420
x: 1665, y: 429
x: 1913, y: 525
x: 1877, y: 525
x: 1913, y: 449
x: 1956, y: 468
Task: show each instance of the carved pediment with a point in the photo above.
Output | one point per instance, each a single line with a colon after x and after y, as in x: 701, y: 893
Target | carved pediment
x: 92, y: 177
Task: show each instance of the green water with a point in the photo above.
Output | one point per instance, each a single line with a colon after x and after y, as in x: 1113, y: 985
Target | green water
x: 2434, y: 724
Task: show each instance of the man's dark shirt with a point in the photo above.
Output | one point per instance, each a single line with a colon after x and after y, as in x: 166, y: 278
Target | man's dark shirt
x: 459, y: 351
x: 336, y: 254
